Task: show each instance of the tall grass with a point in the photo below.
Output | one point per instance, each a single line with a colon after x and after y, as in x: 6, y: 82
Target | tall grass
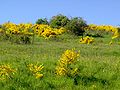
x: 99, y: 64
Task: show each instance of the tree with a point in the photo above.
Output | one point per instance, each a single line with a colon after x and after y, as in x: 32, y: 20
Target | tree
x: 75, y: 25
x: 42, y: 21
x: 59, y: 21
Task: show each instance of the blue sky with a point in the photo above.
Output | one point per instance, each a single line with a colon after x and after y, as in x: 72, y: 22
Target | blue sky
x: 93, y: 11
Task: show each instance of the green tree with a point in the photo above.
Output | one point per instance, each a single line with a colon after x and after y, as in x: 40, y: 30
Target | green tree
x: 42, y: 21
x: 59, y: 21
x: 76, y: 25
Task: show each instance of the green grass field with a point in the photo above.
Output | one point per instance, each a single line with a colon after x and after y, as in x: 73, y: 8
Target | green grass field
x: 99, y: 64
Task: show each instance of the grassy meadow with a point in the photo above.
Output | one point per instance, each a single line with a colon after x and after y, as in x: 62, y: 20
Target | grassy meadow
x: 98, y: 64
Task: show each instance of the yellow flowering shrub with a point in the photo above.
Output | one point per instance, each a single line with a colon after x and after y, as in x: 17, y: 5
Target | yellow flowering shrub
x: 87, y: 40
x: 6, y: 72
x: 115, y: 37
x: 60, y: 70
x: 36, y: 70
x: 107, y: 28
x: 11, y: 28
x: 46, y: 31
x: 21, y: 33
x: 68, y: 57
x: 29, y: 29
x: 18, y: 33
x: 115, y: 31
x: 116, y: 34
x: 64, y: 67
x: 101, y: 27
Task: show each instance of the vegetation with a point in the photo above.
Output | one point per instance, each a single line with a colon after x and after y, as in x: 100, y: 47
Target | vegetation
x: 55, y: 59
x: 59, y: 21
x: 42, y: 21
x: 76, y: 26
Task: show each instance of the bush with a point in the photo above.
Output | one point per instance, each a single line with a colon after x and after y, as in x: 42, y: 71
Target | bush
x: 42, y: 21
x: 59, y: 21
x: 76, y: 26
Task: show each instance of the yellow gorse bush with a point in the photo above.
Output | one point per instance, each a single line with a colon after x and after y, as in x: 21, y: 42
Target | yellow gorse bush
x: 116, y: 34
x: 29, y: 29
x: 46, y: 31
x: 36, y: 70
x: 101, y: 27
x: 6, y: 72
x: 107, y: 28
x: 11, y: 28
x: 68, y: 58
x: 87, y: 40
x: 25, y: 33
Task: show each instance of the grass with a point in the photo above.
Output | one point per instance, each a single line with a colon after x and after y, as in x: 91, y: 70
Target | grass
x: 99, y: 64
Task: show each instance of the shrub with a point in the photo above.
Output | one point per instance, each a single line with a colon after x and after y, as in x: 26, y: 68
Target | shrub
x: 21, y: 33
x: 42, y: 21
x: 87, y: 40
x: 76, y: 25
x: 66, y: 64
x: 59, y: 21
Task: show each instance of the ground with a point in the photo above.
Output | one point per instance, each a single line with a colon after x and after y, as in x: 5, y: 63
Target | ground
x: 99, y: 64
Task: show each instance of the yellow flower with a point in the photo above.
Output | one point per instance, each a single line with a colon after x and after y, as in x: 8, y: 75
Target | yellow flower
x: 87, y: 40
x: 74, y: 71
x: 68, y: 57
x: 6, y: 71
x: 36, y: 69
x: 38, y: 75
x: 60, y: 70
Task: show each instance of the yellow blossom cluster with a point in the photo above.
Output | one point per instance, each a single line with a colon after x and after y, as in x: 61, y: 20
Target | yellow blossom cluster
x: 30, y: 29
x: 68, y: 58
x: 11, y: 28
x: 36, y: 69
x: 101, y: 27
x: 87, y: 40
x: 107, y: 28
x: 6, y: 72
x: 116, y: 34
x: 46, y: 31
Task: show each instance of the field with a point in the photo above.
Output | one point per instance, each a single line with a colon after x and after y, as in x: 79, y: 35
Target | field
x: 98, y: 64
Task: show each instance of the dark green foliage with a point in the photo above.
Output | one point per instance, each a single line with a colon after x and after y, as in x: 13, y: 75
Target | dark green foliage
x: 0, y: 26
x: 42, y: 21
x: 59, y: 21
x: 76, y: 25
x: 19, y: 39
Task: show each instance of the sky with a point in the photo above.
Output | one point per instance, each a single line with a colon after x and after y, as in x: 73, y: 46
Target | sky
x: 98, y: 12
